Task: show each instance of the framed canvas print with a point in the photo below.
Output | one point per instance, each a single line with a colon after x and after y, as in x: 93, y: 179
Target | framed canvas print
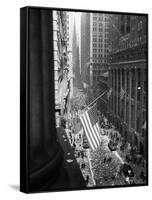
x: 84, y: 99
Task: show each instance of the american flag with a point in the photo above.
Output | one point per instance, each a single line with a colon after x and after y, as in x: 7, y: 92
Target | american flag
x: 89, y: 121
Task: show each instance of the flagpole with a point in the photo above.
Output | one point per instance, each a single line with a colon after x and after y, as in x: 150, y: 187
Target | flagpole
x: 97, y: 98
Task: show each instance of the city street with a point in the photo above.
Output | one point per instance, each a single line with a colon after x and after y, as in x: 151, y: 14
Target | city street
x: 100, y: 87
x: 103, y: 173
x: 101, y: 167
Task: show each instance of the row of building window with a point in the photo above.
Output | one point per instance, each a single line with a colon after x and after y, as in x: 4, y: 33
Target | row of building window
x: 126, y: 26
x: 99, y: 35
x: 101, y: 29
x: 100, y: 25
x: 97, y: 50
x: 97, y: 55
x: 96, y: 67
x: 95, y: 39
x: 100, y: 39
x: 100, y: 60
x: 95, y: 24
x: 100, y: 55
x: 105, y: 19
x: 98, y: 18
x: 105, y: 45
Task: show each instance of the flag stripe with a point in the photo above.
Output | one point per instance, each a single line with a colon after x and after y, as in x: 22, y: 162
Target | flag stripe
x: 89, y: 121
x: 92, y: 130
x: 86, y: 131
x: 97, y: 136
x: 100, y: 133
x: 81, y: 118
x: 91, y: 142
x: 97, y: 132
x: 89, y: 130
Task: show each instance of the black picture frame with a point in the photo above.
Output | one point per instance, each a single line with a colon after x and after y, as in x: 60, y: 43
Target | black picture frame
x: 42, y: 157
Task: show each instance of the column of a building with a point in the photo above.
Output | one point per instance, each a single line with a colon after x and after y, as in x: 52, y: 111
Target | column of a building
x: 125, y: 101
x: 120, y: 104
x: 91, y: 74
x: 115, y: 97
x: 124, y: 95
x: 129, y: 100
x: 109, y: 100
x: 117, y: 93
x: 141, y: 87
x: 113, y: 94
x: 135, y: 97
x: 145, y: 132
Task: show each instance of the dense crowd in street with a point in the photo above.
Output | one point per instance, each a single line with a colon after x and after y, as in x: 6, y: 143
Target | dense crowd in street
x: 128, y: 153
x: 80, y: 153
x: 104, y: 167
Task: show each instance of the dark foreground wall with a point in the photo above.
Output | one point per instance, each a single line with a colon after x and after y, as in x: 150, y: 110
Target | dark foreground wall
x: 42, y: 156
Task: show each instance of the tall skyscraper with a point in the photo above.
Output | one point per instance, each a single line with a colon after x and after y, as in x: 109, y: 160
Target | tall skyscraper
x: 94, y: 45
x: 76, y: 61
x: 61, y: 67
x: 69, y: 17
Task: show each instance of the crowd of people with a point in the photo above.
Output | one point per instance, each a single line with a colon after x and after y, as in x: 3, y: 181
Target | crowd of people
x: 75, y: 136
x: 127, y: 152
x: 107, y: 165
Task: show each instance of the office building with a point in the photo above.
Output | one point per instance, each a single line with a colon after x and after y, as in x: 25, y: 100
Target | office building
x: 128, y: 78
x: 94, y: 47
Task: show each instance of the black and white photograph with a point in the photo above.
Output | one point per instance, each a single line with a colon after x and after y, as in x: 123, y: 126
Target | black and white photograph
x: 87, y: 100
x: 100, y: 63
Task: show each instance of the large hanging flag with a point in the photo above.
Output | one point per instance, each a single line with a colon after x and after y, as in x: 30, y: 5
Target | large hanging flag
x: 89, y: 121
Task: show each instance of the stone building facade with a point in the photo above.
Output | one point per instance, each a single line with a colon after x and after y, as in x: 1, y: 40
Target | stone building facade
x: 61, y: 61
x: 94, y: 46
x: 128, y: 78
